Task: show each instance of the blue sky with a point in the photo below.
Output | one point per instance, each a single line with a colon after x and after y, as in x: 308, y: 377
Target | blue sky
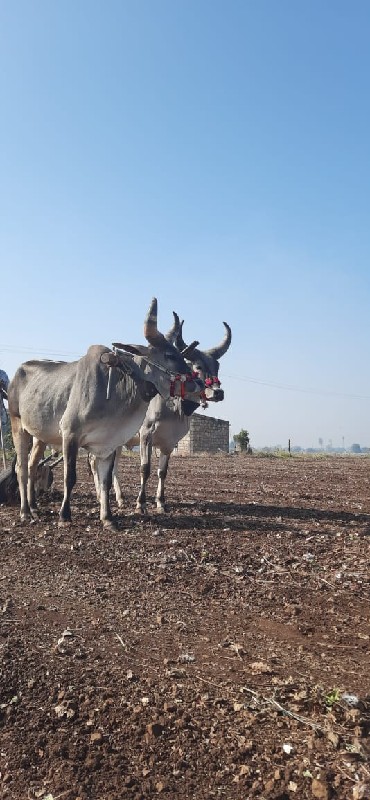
x: 214, y: 155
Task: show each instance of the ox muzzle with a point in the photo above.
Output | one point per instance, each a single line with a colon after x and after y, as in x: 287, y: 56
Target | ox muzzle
x: 214, y: 395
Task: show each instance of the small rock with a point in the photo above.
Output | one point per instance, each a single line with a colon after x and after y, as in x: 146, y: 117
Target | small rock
x: 186, y: 658
x: 319, y: 790
x: 260, y: 668
x: 351, y: 699
x: 96, y: 737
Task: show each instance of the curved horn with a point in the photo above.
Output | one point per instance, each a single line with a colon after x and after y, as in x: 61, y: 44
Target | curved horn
x: 172, y: 334
x: 151, y: 331
x: 219, y: 351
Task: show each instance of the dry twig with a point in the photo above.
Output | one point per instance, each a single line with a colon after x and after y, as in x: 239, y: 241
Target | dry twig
x: 121, y: 641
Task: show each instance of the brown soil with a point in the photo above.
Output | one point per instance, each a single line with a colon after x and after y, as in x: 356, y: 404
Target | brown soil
x: 211, y: 652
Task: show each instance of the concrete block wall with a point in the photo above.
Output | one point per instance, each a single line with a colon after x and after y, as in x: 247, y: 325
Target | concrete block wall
x: 206, y: 435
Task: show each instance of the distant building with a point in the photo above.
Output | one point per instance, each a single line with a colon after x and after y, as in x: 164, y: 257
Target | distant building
x: 205, y: 435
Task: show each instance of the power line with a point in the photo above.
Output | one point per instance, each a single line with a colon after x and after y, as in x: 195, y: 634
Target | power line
x: 290, y: 388
x: 9, y: 348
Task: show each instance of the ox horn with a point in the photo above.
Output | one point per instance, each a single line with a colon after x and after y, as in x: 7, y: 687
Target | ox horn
x: 173, y: 333
x: 151, y: 332
x: 219, y: 351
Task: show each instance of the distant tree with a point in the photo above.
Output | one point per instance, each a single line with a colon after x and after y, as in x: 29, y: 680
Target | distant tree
x: 242, y: 440
x: 355, y: 448
x: 321, y: 442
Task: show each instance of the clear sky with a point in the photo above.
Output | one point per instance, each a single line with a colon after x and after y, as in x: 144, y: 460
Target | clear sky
x: 215, y: 155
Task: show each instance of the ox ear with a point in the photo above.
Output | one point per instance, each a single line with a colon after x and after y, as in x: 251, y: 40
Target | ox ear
x: 173, y: 333
x: 219, y: 351
x: 189, y: 349
x: 135, y: 349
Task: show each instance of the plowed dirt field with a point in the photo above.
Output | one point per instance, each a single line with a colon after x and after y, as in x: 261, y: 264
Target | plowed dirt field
x: 218, y: 651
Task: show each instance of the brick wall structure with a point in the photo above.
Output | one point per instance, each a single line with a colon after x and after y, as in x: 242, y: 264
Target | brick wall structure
x: 205, y: 435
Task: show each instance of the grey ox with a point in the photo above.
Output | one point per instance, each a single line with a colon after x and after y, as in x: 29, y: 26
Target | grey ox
x: 168, y: 420
x: 97, y: 403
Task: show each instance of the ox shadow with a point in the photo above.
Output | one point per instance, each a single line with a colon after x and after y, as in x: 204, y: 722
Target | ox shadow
x: 217, y: 516
x: 236, y: 516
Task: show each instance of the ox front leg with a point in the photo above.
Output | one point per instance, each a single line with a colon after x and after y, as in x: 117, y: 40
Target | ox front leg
x: 70, y: 451
x: 37, y: 452
x: 104, y: 469
x: 145, y: 460
x: 22, y: 443
x: 162, y: 474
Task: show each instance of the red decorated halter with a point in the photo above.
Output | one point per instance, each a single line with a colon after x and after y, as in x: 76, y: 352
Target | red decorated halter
x: 181, y: 379
x: 177, y: 385
x: 213, y: 381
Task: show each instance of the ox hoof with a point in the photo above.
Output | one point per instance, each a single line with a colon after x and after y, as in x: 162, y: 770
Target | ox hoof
x: 64, y: 523
x: 27, y: 519
x: 161, y: 510
x: 109, y: 525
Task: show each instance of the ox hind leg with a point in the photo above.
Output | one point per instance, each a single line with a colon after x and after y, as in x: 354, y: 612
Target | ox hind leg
x: 162, y: 474
x: 38, y: 449
x: 146, y: 447
x: 22, y: 443
x: 104, y: 470
x: 91, y: 463
x: 70, y: 451
x: 116, y: 486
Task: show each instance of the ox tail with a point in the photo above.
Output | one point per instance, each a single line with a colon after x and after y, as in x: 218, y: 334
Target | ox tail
x: 9, y: 485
